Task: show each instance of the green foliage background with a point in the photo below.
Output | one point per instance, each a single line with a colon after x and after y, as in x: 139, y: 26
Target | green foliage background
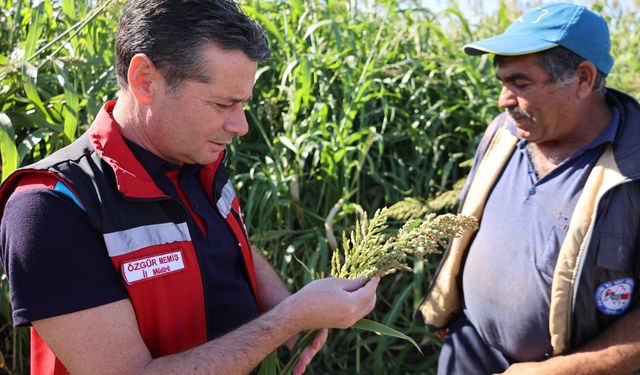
x: 364, y: 102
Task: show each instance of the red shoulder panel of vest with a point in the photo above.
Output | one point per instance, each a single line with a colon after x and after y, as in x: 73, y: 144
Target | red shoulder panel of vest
x: 24, y: 180
x: 131, y: 178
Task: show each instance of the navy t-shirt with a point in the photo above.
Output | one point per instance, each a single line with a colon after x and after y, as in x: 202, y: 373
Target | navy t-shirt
x: 507, y: 275
x: 57, y: 262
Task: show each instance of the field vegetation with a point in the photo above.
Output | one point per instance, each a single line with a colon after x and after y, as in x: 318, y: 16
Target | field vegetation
x: 363, y: 104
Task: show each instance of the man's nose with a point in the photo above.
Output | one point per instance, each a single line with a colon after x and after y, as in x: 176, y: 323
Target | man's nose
x: 236, y: 123
x: 507, y: 98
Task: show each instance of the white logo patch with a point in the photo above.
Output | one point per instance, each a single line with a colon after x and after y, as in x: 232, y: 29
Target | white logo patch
x: 614, y: 297
x: 154, y: 266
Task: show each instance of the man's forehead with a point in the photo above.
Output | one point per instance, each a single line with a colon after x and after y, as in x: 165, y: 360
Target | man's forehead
x: 526, y: 59
x: 518, y: 65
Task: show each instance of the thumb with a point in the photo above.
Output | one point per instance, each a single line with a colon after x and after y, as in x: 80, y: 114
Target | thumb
x: 351, y: 285
x: 368, y: 288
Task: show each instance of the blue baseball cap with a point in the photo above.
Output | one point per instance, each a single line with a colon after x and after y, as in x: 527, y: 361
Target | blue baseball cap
x: 574, y: 27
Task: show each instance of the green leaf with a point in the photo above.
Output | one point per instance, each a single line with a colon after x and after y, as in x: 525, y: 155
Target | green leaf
x: 30, y: 141
x: 269, y: 365
x: 69, y: 9
x: 389, y: 318
x: 35, y: 29
x: 339, y: 155
x: 29, y: 79
x: 8, y: 149
x: 288, y: 144
x: 315, y: 26
x: 297, y: 350
x: 266, y: 22
x: 381, y: 329
x: 287, y: 72
x: 71, y: 108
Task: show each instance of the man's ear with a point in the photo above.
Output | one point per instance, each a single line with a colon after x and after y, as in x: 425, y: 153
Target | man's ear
x: 586, y: 75
x: 144, y: 78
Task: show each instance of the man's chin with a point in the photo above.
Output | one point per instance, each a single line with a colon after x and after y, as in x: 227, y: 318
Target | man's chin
x: 524, y: 134
x: 210, y: 158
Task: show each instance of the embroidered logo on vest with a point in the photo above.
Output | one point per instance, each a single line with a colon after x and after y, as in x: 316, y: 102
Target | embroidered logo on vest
x: 151, y: 267
x: 614, y: 297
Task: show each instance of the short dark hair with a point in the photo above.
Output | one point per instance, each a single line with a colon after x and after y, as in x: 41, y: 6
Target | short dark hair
x: 561, y: 64
x: 172, y: 33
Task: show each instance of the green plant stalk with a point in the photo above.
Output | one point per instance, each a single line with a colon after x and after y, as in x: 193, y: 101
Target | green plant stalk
x: 297, y: 351
x: 358, y: 360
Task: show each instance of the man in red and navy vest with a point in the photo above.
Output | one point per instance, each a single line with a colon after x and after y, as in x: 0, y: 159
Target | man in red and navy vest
x: 126, y: 251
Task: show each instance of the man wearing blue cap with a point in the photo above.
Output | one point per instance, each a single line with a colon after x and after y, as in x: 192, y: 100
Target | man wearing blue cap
x: 548, y: 284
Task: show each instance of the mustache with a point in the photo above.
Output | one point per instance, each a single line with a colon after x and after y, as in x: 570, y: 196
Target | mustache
x: 518, y: 113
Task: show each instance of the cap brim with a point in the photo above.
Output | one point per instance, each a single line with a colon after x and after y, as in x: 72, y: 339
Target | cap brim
x: 511, y: 45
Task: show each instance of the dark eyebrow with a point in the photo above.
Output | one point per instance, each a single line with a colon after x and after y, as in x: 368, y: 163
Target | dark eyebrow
x: 236, y: 99
x: 512, y: 77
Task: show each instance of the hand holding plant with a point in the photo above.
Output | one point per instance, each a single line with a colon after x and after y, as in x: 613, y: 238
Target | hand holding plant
x: 373, y: 250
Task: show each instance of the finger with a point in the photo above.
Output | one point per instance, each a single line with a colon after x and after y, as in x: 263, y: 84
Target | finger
x: 367, y: 292
x: 368, y: 306
x: 369, y: 287
x: 299, y: 369
x: 375, y: 280
x: 306, y: 356
x: 310, y: 351
x: 303, y: 362
x: 364, y: 299
x: 320, y: 339
x: 316, y: 345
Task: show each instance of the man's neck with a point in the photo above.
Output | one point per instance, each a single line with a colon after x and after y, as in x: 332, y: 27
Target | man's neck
x: 133, y: 124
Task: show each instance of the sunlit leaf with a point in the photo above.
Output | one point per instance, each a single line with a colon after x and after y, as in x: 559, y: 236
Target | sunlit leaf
x: 8, y: 149
x: 381, y: 329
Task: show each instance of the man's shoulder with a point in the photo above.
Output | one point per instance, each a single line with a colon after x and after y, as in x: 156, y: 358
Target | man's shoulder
x: 501, y: 121
x: 72, y: 153
x: 627, y: 139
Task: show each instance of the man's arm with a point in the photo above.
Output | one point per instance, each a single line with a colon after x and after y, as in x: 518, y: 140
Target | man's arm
x: 615, y: 351
x: 106, y: 339
x: 272, y: 290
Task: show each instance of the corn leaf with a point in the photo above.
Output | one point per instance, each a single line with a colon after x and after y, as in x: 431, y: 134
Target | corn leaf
x: 381, y: 329
x: 8, y: 149
x: 269, y: 365
x: 71, y: 108
x: 35, y: 29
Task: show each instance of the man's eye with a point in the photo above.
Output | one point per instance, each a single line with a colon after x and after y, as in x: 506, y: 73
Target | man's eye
x: 520, y: 85
x: 224, y: 106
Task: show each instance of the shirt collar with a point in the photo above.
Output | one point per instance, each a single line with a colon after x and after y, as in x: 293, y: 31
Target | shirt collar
x: 608, y: 134
x: 155, y: 165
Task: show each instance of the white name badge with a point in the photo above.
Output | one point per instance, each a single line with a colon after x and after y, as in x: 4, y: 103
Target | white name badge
x: 150, y: 267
